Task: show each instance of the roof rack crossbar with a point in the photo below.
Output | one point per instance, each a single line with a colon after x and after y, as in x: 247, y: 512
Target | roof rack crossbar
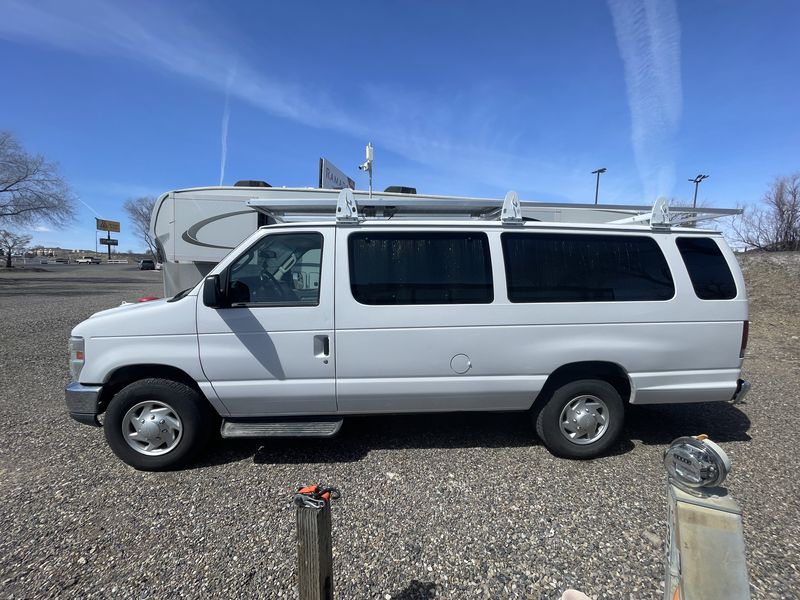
x: 349, y: 206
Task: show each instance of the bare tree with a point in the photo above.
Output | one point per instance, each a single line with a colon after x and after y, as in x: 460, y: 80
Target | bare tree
x: 31, y: 188
x: 12, y: 242
x: 774, y: 224
x: 139, y: 211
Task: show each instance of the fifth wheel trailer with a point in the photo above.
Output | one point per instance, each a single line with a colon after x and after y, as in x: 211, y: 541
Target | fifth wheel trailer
x: 195, y: 228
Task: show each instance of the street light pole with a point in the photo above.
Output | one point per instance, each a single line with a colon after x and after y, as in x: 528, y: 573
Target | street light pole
x: 696, y: 181
x: 598, y: 172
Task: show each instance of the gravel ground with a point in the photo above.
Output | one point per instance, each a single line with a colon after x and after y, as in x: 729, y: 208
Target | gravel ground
x: 465, y: 506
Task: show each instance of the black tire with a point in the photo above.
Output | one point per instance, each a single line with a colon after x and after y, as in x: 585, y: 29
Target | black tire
x: 195, y: 416
x: 548, y: 419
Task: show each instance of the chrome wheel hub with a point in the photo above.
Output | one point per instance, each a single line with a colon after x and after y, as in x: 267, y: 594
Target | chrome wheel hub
x: 584, y: 419
x: 152, y: 428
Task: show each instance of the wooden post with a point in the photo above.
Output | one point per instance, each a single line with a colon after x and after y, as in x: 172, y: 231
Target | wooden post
x: 314, y: 553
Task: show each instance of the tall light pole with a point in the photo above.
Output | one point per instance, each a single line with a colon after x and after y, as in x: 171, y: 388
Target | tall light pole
x: 696, y: 181
x: 598, y: 172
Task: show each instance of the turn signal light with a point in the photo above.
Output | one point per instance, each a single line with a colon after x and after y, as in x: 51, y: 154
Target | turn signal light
x: 76, y: 357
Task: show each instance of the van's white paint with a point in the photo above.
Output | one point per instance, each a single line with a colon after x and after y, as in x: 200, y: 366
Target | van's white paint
x: 266, y: 361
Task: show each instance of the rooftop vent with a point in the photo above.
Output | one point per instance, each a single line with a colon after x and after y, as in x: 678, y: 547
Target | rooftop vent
x: 400, y: 189
x: 251, y: 183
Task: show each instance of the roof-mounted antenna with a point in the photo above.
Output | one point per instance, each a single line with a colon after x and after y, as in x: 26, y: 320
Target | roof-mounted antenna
x: 346, y: 207
x: 367, y: 166
x: 511, y: 212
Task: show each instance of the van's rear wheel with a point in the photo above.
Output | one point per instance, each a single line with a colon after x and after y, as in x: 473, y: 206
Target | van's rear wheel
x: 157, y: 424
x: 581, y: 419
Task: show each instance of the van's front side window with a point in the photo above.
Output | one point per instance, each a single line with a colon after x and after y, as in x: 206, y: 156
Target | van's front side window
x: 420, y: 268
x: 564, y: 267
x: 280, y: 269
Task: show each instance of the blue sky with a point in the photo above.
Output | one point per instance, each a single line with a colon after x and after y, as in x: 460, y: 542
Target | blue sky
x: 469, y: 98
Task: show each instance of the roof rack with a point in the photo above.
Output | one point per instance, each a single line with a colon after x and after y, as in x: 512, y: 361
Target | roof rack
x: 350, y: 207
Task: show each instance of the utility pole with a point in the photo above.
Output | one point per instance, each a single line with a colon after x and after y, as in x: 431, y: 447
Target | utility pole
x: 598, y: 172
x: 696, y: 181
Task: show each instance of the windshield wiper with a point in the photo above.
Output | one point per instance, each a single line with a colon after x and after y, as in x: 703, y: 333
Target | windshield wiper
x: 180, y: 294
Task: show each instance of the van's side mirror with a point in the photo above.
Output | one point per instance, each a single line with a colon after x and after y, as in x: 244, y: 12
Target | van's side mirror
x: 213, y: 296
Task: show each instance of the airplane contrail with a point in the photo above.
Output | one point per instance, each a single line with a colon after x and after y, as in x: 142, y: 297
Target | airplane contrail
x: 648, y: 37
x: 226, y: 117
x: 96, y: 214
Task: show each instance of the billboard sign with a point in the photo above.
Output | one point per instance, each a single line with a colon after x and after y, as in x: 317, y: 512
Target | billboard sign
x: 109, y: 242
x: 332, y: 178
x: 103, y: 225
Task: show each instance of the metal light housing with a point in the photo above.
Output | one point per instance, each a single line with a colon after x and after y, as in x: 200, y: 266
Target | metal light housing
x: 693, y: 463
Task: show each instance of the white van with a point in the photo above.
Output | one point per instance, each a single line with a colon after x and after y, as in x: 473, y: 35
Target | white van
x: 306, y: 322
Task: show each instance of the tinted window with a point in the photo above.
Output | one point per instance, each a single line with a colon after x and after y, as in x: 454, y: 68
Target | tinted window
x: 708, y: 269
x: 420, y: 268
x: 560, y: 267
x: 279, y: 269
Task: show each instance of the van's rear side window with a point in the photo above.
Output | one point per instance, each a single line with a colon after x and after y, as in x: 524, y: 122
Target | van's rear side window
x: 565, y: 267
x: 420, y: 268
x: 711, y: 277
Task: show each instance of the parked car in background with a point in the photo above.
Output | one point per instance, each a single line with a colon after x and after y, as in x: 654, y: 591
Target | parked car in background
x: 87, y: 260
x: 147, y: 264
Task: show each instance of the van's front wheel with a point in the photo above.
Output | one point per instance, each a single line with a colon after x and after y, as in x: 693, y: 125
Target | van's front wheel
x: 157, y: 424
x: 581, y: 419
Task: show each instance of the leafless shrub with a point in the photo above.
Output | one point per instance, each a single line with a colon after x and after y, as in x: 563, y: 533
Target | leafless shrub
x: 774, y: 224
x: 139, y: 211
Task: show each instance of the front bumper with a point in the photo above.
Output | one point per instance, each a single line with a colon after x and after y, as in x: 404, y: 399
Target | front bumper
x: 742, y: 387
x: 83, y: 402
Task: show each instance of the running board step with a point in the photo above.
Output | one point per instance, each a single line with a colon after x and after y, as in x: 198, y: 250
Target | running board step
x: 286, y: 428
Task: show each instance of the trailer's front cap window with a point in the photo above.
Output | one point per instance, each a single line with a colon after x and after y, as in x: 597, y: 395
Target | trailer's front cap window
x: 280, y: 269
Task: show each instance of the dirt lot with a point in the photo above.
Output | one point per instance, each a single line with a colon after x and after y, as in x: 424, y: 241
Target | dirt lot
x: 467, y: 506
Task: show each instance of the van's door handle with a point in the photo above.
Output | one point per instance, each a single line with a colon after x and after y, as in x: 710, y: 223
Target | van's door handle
x: 322, y: 346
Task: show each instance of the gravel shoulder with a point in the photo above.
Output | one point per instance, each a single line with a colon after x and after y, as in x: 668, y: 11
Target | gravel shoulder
x: 464, y: 506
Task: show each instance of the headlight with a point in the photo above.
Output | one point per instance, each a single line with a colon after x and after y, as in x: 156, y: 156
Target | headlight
x: 76, y: 357
x: 694, y: 463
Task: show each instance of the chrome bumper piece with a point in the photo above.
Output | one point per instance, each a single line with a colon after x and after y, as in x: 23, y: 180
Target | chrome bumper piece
x: 83, y: 402
x: 742, y: 387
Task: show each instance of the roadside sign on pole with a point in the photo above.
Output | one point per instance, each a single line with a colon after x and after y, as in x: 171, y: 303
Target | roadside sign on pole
x: 332, y: 178
x: 109, y: 242
x: 103, y: 225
